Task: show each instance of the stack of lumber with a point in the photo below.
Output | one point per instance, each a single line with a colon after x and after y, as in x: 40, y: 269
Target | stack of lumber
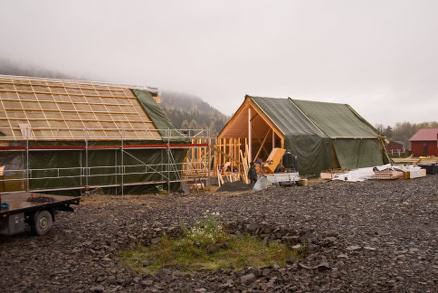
x: 404, y: 172
x: 428, y: 160
x: 238, y: 167
x: 388, y: 174
x: 416, y: 160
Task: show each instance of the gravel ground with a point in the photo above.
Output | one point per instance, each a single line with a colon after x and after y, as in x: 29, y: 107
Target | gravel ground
x: 373, y: 236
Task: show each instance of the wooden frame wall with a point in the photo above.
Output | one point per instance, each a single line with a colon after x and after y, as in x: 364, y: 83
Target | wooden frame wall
x: 197, y: 161
x: 231, y: 152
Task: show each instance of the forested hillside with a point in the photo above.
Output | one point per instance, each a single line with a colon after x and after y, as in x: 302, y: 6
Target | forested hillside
x: 191, y: 112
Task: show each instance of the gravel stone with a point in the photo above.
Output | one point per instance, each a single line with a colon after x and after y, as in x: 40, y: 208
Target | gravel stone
x: 372, y: 236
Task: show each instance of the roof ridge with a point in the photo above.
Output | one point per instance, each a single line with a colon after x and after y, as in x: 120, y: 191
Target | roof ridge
x: 80, y: 81
x: 308, y: 118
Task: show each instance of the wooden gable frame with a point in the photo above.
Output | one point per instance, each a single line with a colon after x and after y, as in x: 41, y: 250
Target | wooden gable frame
x: 249, y: 131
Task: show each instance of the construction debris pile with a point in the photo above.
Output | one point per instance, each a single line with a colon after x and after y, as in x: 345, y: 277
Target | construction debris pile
x: 383, y: 172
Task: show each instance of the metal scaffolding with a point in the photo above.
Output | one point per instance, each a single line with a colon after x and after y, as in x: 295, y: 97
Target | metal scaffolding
x: 19, y: 177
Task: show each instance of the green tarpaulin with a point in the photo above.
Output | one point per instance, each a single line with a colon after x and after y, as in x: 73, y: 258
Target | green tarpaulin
x: 357, y: 153
x: 160, y: 120
x: 300, y: 137
x: 103, y: 167
x: 318, y: 131
x: 72, y: 168
x: 335, y: 120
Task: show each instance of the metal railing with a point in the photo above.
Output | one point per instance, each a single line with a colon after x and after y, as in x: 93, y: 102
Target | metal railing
x: 22, y: 176
x: 27, y: 133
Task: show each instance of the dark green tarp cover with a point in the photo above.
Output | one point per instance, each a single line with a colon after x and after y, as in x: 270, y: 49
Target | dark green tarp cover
x: 142, y: 165
x: 352, y: 138
x: 160, y: 120
x: 301, y: 138
x: 357, y: 153
x: 335, y: 120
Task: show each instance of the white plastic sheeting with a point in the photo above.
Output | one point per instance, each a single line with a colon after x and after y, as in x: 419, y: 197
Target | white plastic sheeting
x: 363, y: 174
x: 357, y: 175
x: 261, y: 184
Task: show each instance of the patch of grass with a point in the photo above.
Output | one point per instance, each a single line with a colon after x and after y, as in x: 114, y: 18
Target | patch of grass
x: 161, y: 190
x: 236, y: 253
x: 207, y: 246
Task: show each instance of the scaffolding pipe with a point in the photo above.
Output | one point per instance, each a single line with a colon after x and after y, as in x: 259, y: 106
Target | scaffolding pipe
x: 166, y: 168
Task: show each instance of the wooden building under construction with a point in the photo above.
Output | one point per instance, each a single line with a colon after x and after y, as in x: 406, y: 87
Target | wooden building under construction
x: 323, y: 135
x: 70, y: 136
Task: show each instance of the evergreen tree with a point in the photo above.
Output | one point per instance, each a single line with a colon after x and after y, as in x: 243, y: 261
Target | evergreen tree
x: 388, y: 132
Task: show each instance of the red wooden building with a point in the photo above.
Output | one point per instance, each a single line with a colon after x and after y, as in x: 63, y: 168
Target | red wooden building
x: 425, y: 142
x: 396, y: 147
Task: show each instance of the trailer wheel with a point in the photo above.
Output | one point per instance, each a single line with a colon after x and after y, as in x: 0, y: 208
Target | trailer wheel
x: 42, y: 222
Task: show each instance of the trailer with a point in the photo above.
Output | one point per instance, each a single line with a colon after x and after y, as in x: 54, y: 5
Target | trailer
x: 19, y: 211
x: 291, y: 178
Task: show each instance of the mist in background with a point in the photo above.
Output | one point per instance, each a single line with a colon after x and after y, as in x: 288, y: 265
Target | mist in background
x: 377, y: 56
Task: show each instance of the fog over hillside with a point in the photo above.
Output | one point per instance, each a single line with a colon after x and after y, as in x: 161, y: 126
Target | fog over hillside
x: 189, y: 111
x: 184, y: 110
x: 9, y: 67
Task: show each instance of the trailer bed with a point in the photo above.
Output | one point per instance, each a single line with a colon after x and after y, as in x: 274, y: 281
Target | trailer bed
x: 18, y: 202
x: 284, y: 178
x: 34, y: 209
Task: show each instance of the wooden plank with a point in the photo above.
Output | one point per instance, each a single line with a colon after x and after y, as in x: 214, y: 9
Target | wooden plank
x: 249, y: 151
x: 247, y: 154
x: 225, y: 155
x: 406, y: 160
x: 245, y: 168
x: 262, y: 146
x: 275, y: 157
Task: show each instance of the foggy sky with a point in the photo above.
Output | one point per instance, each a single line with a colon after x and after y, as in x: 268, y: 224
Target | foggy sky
x: 380, y: 57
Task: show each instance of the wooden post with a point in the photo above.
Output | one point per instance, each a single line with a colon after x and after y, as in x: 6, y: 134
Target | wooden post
x: 273, y: 138
x: 249, y: 135
x: 220, y: 156
x: 234, y: 148
x: 230, y: 152
x: 245, y: 169
x: 193, y: 151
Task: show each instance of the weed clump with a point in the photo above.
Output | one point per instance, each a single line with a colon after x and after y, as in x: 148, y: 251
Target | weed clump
x: 207, y: 246
x: 205, y: 233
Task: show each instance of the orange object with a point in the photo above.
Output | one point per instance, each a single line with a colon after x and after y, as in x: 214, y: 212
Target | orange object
x: 274, y: 159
